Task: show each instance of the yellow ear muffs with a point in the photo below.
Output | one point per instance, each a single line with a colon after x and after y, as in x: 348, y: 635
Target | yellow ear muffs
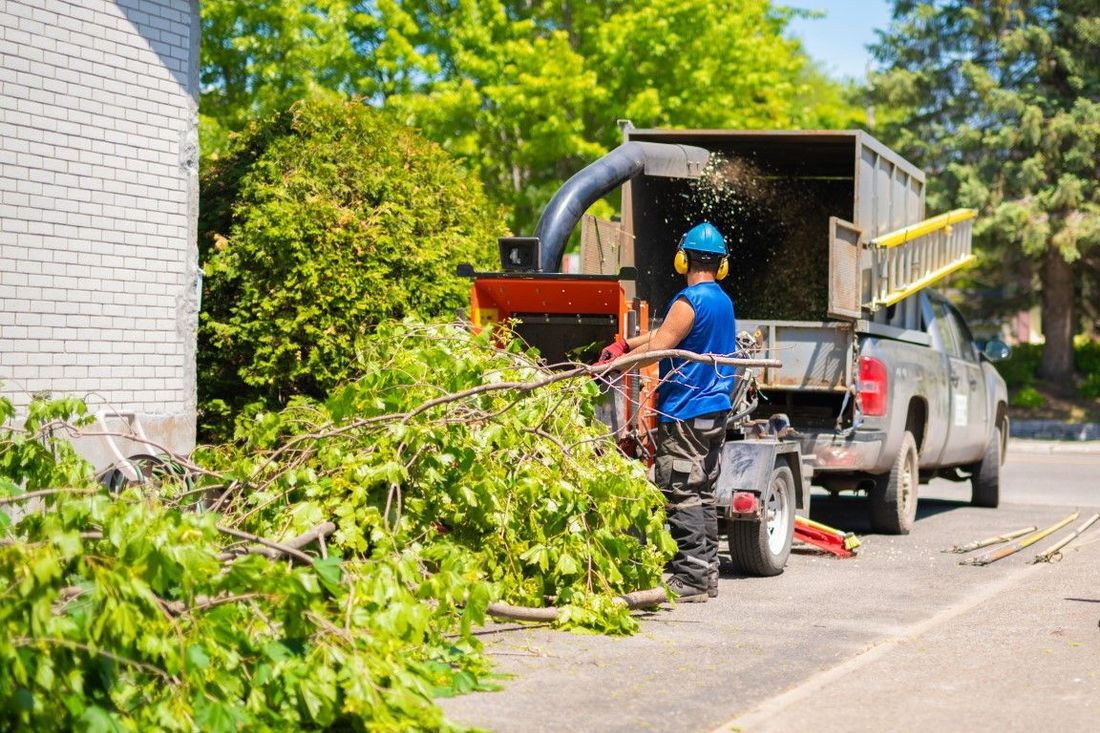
x: 681, y: 262
x: 723, y: 269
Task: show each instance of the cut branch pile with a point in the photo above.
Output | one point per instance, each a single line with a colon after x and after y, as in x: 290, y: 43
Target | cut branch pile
x: 290, y: 578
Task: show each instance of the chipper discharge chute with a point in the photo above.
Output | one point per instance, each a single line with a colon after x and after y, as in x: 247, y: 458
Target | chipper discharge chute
x: 569, y: 316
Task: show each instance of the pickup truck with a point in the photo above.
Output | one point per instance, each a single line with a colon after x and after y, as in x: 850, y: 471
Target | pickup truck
x: 831, y: 266
x: 926, y: 402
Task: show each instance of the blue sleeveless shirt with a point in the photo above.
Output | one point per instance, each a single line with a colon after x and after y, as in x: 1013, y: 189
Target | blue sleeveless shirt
x: 692, y: 388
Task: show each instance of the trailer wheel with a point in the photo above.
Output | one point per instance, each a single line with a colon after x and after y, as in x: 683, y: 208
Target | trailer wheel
x: 985, y: 483
x: 761, y: 547
x: 893, y: 498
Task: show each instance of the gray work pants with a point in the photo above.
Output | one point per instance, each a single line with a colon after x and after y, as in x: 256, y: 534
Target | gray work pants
x: 686, y: 470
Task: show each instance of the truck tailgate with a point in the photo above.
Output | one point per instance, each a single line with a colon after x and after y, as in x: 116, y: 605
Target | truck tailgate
x: 816, y: 355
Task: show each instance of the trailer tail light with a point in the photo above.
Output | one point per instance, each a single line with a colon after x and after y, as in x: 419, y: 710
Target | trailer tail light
x: 872, y: 386
x: 744, y: 502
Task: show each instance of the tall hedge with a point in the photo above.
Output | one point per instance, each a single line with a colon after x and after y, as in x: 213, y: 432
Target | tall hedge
x: 325, y: 220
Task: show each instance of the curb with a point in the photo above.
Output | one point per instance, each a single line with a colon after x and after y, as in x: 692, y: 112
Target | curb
x: 1056, y: 447
x: 1054, y: 430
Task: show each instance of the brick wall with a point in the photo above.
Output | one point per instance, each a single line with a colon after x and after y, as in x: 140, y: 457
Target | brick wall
x: 98, y: 204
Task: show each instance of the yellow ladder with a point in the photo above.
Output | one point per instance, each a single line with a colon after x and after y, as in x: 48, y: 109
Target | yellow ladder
x: 904, y: 261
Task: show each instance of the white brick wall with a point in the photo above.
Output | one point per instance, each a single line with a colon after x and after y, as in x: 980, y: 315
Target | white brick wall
x: 98, y: 204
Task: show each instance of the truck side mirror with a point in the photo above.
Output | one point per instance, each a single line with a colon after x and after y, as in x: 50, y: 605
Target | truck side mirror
x: 997, y: 350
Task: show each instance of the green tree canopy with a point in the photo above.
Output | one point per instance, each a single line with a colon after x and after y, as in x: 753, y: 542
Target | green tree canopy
x: 326, y: 220
x: 999, y: 100
x: 525, y: 93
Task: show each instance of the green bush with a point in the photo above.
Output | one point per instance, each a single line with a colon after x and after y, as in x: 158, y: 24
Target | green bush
x: 1090, y: 388
x: 1020, y: 369
x: 325, y: 220
x: 1086, y: 357
x: 1028, y: 398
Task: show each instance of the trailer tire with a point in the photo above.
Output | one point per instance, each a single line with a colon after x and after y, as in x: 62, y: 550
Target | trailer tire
x: 893, y: 498
x: 985, y: 482
x: 761, y: 548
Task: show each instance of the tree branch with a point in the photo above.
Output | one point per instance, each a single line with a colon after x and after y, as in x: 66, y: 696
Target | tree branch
x: 274, y: 550
x: 24, y: 641
x: 636, y: 599
x: 44, y: 492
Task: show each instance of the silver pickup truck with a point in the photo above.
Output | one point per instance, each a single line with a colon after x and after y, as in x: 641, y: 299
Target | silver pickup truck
x: 920, y: 400
x: 832, y: 259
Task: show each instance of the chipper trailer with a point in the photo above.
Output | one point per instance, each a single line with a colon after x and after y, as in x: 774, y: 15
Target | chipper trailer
x: 802, y: 212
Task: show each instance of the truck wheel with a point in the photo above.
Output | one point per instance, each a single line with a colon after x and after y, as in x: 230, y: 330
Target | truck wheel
x: 894, y: 496
x: 985, y: 482
x: 761, y: 547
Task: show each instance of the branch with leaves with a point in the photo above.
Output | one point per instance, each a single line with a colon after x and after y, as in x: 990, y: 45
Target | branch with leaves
x: 457, y: 478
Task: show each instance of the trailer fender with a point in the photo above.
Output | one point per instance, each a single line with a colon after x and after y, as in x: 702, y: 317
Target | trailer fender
x: 747, y: 466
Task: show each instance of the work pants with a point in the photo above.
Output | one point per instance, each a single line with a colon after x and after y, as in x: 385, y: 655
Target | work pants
x: 686, y: 470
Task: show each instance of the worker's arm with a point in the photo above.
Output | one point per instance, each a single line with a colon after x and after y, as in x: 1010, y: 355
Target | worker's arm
x: 671, y: 333
x: 642, y: 339
x: 674, y: 329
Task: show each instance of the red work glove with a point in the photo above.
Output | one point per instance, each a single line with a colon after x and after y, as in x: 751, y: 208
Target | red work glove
x: 613, y: 351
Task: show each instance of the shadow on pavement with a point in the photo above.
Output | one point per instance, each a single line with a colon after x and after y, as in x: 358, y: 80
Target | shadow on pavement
x: 850, y: 513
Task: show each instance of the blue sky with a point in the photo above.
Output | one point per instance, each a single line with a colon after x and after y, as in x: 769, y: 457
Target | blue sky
x: 838, y: 40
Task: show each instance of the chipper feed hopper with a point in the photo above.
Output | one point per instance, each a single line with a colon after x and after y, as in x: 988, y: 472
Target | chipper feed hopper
x: 800, y: 211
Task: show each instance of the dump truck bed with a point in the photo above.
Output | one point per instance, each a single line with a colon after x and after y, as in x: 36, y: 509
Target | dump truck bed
x: 787, y: 202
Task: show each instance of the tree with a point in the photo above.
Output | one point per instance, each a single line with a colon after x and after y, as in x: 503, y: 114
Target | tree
x: 260, y: 56
x: 530, y: 92
x: 327, y: 219
x: 523, y: 93
x: 1000, y: 102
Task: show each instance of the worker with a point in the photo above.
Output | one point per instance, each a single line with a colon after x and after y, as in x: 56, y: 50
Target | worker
x: 693, y: 402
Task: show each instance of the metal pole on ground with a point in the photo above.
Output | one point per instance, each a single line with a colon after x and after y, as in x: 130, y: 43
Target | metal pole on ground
x: 1054, y: 552
x: 1031, y: 539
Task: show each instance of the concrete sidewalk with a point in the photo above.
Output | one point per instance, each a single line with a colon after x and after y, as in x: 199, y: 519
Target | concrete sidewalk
x: 1054, y: 430
x: 1024, y: 656
x: 1026, y: 445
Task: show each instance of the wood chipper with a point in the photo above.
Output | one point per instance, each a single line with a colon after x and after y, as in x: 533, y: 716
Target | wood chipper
x: 778, y: 198
x: 568, y: 316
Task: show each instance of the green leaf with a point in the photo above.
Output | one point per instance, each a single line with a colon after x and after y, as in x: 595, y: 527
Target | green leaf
x: 328, y: 572
x: 197, y: 657
x: 98, y: 720
x: 217, y: 717
x: 567, y: 565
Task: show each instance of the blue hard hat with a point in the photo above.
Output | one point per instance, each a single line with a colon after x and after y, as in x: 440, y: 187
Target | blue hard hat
x: 706, y: 238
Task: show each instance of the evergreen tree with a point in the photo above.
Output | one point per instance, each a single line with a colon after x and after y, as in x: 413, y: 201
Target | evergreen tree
x: 999, y: 101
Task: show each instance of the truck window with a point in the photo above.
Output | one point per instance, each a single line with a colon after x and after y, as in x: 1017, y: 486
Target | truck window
x: 943, y: 325
x: 962, y: 336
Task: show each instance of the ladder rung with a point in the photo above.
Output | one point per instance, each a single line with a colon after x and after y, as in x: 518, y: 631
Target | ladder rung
x: 925, y: 281
x: 918, y: 255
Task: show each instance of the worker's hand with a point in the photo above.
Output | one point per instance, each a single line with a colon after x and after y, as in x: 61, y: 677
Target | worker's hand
x: 613, y: 351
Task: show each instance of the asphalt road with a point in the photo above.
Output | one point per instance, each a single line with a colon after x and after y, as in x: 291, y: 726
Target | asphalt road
x: 899, y: 638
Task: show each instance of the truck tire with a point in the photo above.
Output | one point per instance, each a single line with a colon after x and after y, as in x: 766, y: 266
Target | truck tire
x: 893, y: 498
x: 985, y: 482
x: 760, y: 548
